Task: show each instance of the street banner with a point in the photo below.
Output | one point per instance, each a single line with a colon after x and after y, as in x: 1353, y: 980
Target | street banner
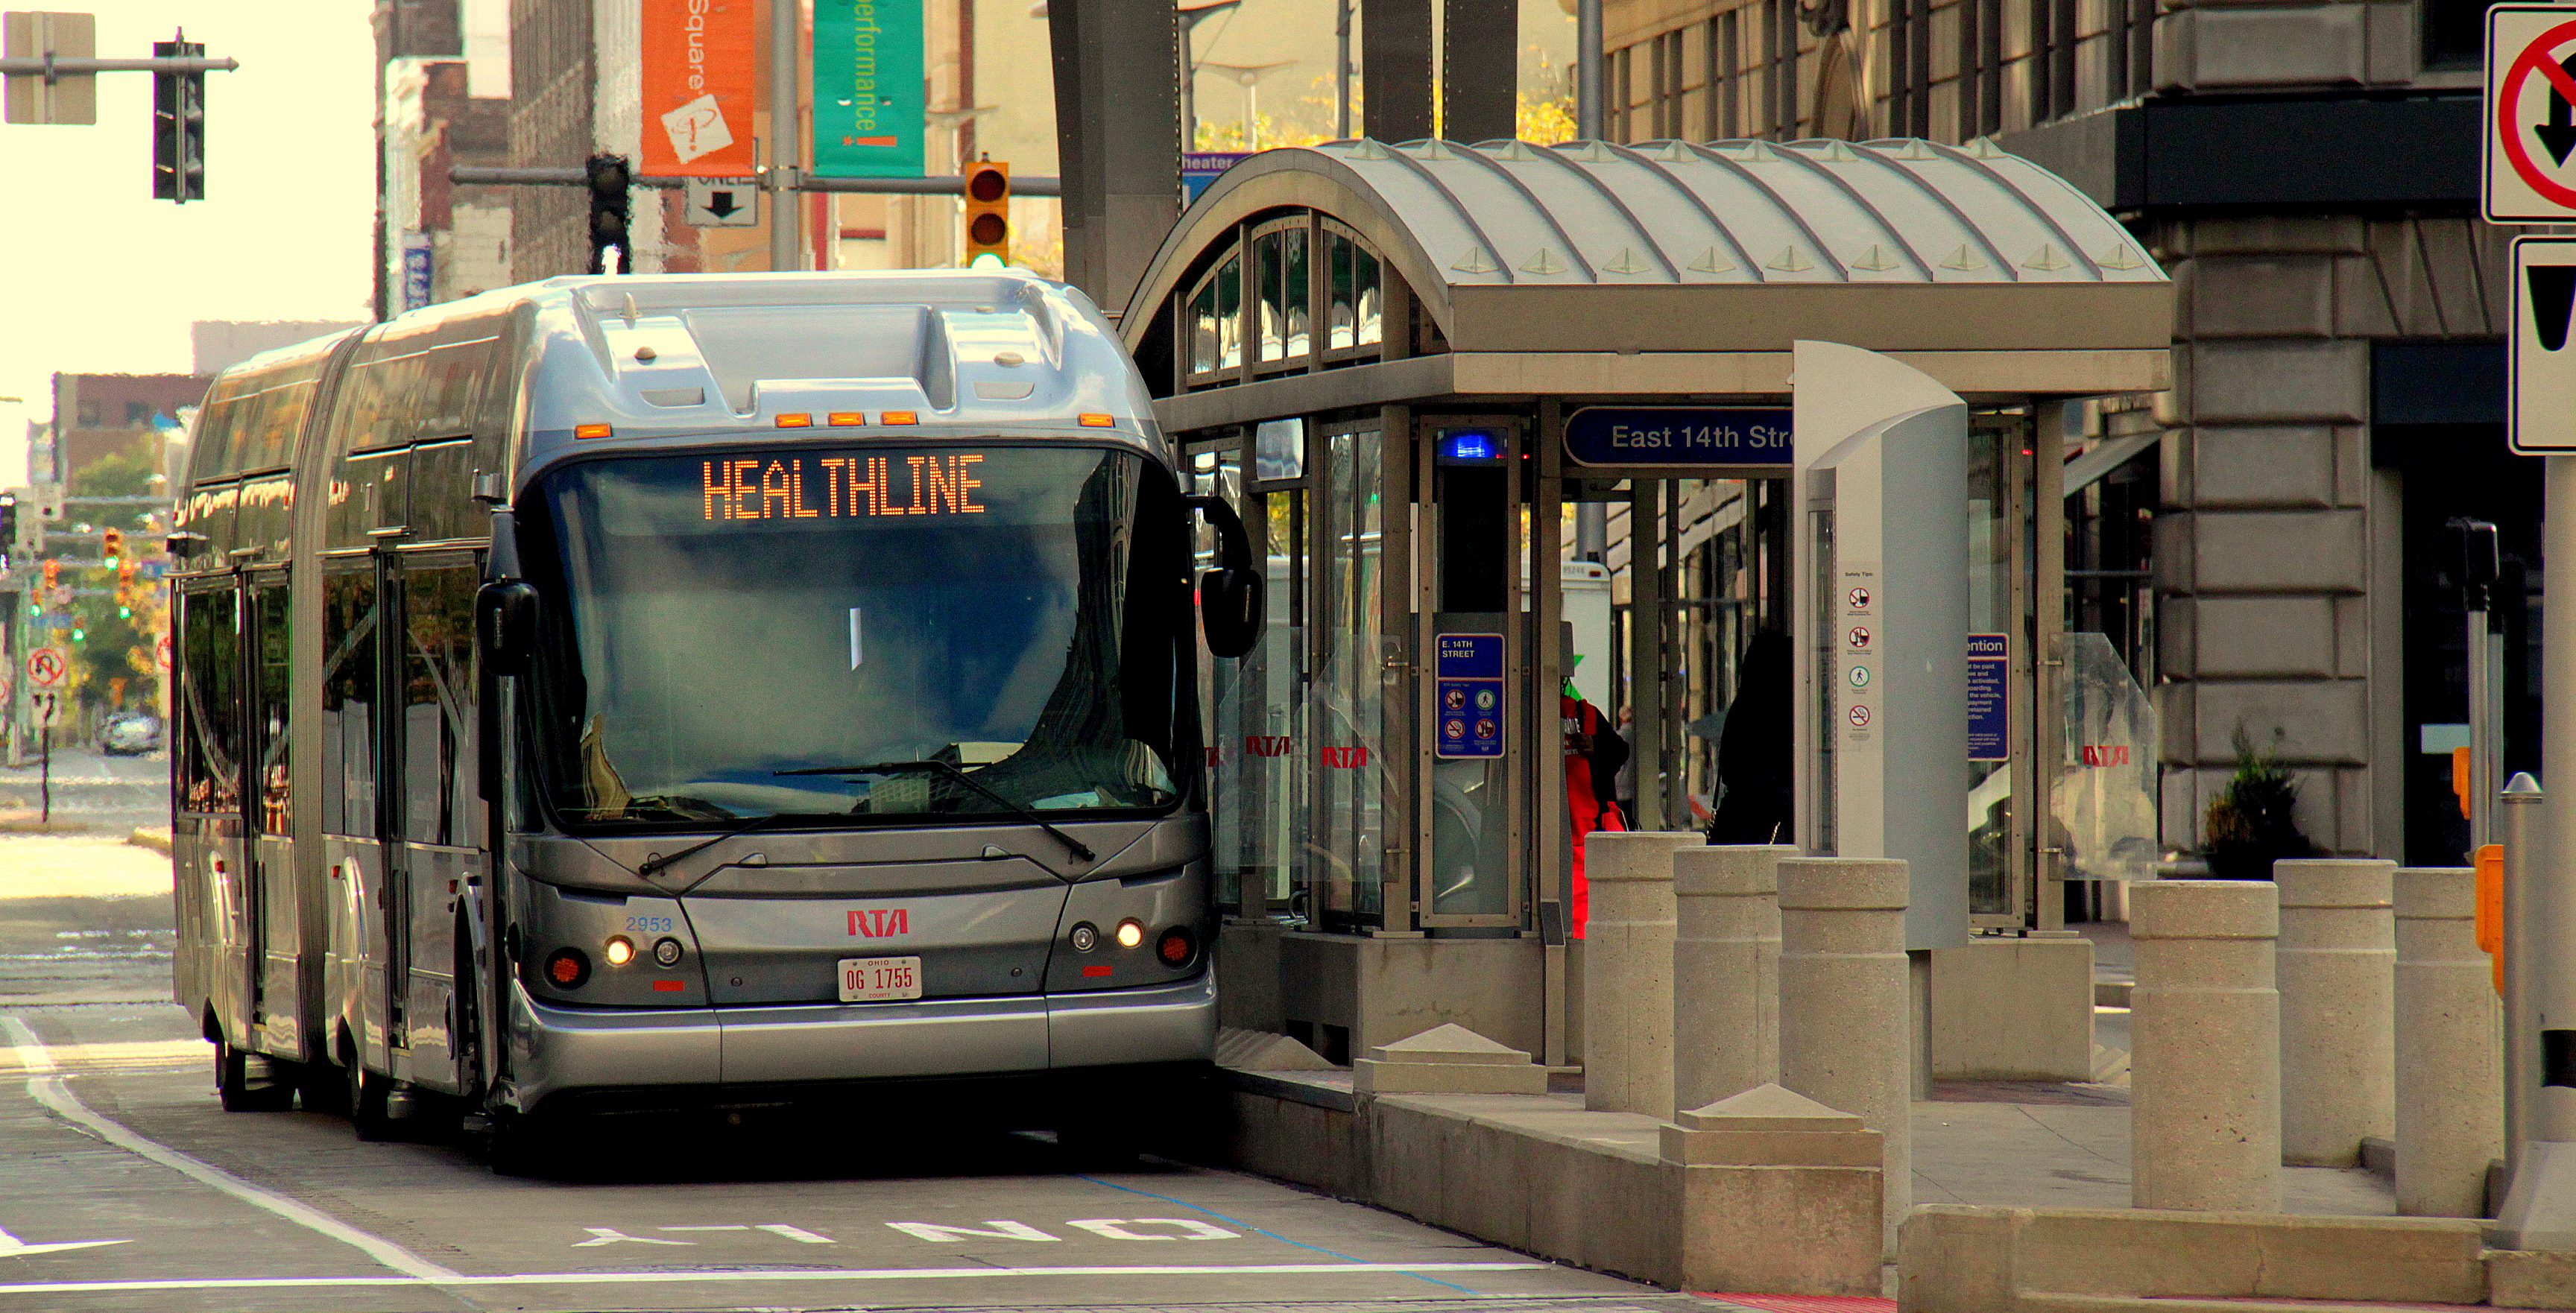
x: 701, y: 82
x: 868, y: 110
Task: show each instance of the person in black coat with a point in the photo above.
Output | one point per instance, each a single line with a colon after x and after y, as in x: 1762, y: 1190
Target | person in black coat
x: 1756, y: 792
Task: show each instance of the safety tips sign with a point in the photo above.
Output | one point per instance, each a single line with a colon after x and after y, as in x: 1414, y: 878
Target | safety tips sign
x: 2530, y: 125
x: 1468, y: 721
x: 1861, y: 648
x: 2542, y: 359
x: 1989, y: 703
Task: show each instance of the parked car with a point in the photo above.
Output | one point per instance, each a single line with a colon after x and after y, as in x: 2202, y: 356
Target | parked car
x: 130, y: 733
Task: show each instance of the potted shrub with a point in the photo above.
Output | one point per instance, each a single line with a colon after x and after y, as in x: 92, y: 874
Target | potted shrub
x: 2252, y: 823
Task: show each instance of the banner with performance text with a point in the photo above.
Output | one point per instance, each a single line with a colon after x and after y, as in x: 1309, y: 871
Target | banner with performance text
x: 868, y: 110
x: 701, y: 81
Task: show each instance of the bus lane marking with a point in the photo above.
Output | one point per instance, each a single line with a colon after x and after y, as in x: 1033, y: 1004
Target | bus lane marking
x: 13, y: 1247
x: 46, y: 1086
x: 668, y: 1278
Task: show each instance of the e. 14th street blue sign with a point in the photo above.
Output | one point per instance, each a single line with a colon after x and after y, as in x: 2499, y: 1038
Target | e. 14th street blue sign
x: 1677, y: 435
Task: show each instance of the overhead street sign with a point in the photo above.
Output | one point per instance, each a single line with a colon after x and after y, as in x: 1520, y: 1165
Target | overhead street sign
x: 723, y: 202
x: 2529, y: 137
x: 2542, y: 359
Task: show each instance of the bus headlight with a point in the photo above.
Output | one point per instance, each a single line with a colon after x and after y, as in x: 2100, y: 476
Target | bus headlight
x: 666, y: 952
x: 621, y: 950
x: 1085, y: 937
x: 1131, y: 932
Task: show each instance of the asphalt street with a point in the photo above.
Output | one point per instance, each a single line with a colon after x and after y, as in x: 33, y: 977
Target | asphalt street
x: 128, y: 1188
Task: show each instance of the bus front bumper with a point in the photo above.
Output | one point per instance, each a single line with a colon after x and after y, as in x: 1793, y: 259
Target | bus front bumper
x: 558, y: 1050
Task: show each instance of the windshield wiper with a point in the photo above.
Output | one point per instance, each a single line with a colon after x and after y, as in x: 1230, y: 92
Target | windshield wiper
x: 654, y: 865
x: 1076, y: 846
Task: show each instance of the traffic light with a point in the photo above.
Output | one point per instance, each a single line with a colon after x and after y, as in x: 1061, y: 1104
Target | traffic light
x: 988, y: 211
x: 111, y: 546
x: 178, y: 126
x: 609, y: 178
x: 53, y: 574
x: 8, y: 531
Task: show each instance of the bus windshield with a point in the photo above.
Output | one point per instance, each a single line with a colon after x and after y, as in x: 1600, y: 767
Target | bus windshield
x: 728, y: 634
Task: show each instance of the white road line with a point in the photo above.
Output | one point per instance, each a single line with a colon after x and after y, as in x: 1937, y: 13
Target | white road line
x: 791, y: 1274
x: 48, y: 1088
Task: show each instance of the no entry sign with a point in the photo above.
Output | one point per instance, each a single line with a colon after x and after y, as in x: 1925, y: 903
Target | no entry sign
x: 2530, y: 133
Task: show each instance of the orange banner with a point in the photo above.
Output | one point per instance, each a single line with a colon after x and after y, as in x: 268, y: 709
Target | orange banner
x: 701, y: 78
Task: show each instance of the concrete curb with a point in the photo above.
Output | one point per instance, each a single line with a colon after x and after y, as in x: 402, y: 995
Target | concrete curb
x: 152, y: 837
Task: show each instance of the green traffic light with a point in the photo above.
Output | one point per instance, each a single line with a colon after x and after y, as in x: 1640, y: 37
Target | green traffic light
x: 125, y: 613
x: 80, y: 635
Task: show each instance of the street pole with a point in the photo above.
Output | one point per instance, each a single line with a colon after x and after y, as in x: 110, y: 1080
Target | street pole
x: 1587, y: 69
x: 1342, y: 69
x: 2540, y: 959
x: 785, y: 150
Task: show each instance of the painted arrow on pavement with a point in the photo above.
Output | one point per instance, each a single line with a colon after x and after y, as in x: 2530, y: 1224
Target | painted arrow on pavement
x: 13, y: 1247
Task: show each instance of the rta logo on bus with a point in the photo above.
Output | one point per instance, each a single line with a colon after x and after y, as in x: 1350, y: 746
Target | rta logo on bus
x: 879, y: 922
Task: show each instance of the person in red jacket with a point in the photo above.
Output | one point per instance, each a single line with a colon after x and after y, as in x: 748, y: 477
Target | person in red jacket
x: 1593, y: 755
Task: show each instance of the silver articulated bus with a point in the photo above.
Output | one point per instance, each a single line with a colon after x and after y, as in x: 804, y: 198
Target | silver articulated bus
x: 634, y: 692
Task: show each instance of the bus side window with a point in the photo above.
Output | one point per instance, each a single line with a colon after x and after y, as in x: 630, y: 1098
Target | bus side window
x: 349, y: 698
x: 440, y: 801
x: 269, y: 703
x: 211, y: 647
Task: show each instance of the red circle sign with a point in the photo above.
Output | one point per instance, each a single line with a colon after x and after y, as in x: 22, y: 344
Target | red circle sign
x: 2509, y: 131
x: 46, y: 667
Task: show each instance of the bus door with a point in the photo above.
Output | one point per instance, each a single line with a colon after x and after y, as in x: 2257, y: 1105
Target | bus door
x: 434, y: 814
x: 211, y: 807
x: 352, y: 760
x: 274, y: 951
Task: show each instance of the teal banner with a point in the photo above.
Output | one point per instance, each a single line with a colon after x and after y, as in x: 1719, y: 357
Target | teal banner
x: 868, y: 112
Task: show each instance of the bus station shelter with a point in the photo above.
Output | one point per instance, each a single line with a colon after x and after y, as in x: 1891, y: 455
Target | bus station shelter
x: 1510, y: 425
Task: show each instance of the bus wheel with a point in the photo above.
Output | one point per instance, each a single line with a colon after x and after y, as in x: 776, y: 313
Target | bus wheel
x: 233, y: 1087
x: 366, y: 1096
x: 518, y: 1146
x: 322, y: 1087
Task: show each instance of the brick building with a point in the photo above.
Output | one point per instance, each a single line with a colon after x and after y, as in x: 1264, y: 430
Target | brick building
x: 99, y: 415
x: 443, y: 99
x: 2271, y: 557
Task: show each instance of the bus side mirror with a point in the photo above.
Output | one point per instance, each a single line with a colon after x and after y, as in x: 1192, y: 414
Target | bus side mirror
x: 505, y: 625
x: 1230, y: 596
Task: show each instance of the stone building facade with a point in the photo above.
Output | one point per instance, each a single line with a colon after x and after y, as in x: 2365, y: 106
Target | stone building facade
x: 2307, y: 173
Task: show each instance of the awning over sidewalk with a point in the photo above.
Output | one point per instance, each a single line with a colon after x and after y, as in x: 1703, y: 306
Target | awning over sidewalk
x: 1666, y: 268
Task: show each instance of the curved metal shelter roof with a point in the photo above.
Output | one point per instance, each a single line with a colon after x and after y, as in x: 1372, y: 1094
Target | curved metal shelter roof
x: 1904, y: 246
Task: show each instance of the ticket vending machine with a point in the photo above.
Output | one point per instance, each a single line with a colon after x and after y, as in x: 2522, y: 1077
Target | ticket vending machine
x: 1879, y: 602
x: 1475, y: 729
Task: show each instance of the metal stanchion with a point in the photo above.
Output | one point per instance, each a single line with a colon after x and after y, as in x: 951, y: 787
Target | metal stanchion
x: 2518, y: 828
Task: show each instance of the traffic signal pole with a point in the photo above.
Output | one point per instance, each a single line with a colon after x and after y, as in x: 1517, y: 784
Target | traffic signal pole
x: 937, y: 184
x: 785, y: 150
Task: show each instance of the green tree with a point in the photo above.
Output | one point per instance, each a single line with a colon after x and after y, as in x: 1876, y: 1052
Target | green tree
x: 119, y: 474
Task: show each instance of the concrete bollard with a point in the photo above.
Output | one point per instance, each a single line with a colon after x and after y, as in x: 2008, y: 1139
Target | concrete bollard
x: 1779, y: 1194
x: 2450, y: 1047
x: 2205, y: 1047
x: 1628, y: 971
x: 2337, y: 979
x: 1846, y: 1007
x: 1726, y: 970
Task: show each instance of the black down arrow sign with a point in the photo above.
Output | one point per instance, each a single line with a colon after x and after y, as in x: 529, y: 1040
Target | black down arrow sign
x: 721, y: 205
x: 2558, y: 134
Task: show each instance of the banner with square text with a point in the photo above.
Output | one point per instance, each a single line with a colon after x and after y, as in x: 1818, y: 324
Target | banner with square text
x: 700, y: 83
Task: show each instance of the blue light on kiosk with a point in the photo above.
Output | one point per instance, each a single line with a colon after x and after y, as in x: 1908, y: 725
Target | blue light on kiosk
x: 1470, y: 446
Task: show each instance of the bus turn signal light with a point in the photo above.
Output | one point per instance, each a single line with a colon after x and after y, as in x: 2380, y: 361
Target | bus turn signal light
x: 799, y: 421
x: 898, y: 417
x: 592, y: 430
x: 568, y: 968
x: 1098, y: 421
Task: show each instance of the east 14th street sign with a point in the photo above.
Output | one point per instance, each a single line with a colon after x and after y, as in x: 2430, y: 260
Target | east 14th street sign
x: 2529, y: 133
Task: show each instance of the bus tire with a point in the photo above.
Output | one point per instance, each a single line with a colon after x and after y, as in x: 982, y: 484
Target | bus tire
x: 366, y: 1101
x: 322, y: 1087
x: 517, y: 1146
x: 234, y: 1090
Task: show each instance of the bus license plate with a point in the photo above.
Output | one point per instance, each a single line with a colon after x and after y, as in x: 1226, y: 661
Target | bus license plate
x: 871, y: 979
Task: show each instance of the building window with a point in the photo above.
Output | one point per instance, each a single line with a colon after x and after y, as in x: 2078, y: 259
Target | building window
x: 1619, y: 84
x: 1725, y: 57
x: 1664, y: 89
x: 88, y: 415
x: 2454, y: 33
x: 1780, y: 38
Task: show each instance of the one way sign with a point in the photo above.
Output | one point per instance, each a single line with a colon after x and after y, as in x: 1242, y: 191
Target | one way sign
x: 723, y: 203
x: 2543, y: 417
x: 2530, y: 130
